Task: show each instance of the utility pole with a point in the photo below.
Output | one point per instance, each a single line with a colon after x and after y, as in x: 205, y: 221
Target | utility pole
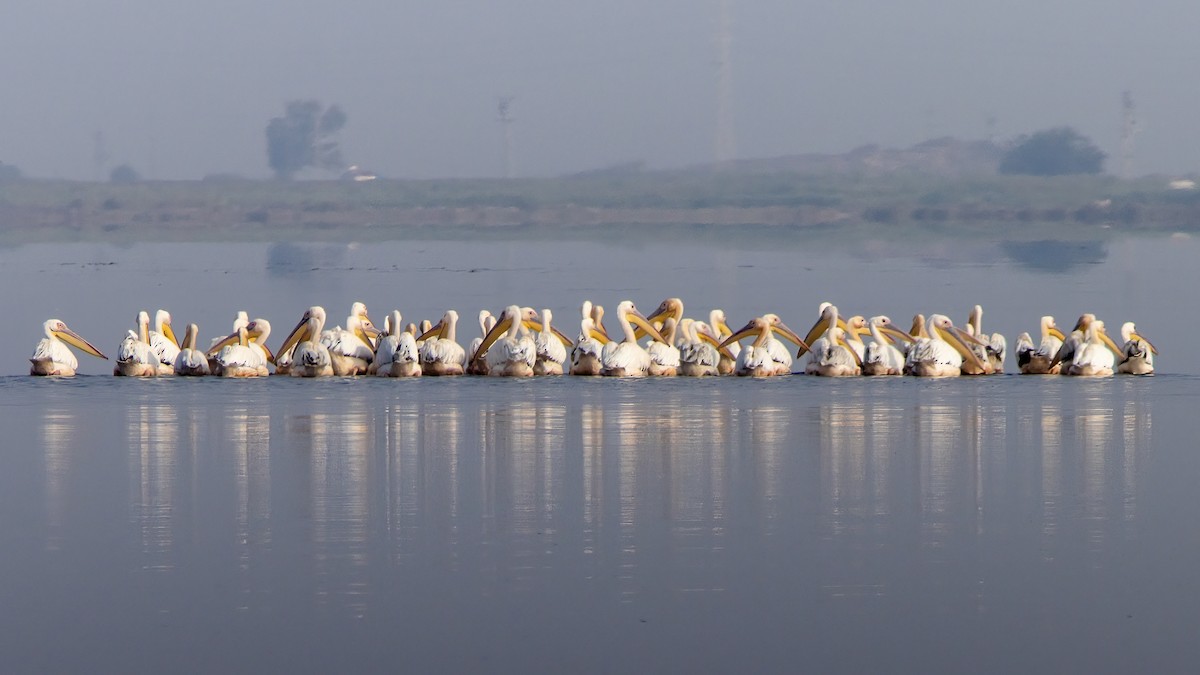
x: 1129, y: 129
x: 504, y: 116
x: 726, y: 141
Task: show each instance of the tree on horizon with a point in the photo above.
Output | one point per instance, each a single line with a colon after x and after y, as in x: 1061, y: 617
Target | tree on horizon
x: 304, y: 138
x: 1060, y: 151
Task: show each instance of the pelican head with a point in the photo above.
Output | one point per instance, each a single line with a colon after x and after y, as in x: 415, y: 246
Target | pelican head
x: 57, y: 329
x: 778, y: 327
x: 308, y: 329
x: 162, y: 324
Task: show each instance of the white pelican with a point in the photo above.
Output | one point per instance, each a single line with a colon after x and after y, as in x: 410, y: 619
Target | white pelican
x: 1137, y: 354
x: 396, y: 355
x: 478, y: 366
x: 135, y: 357
x: 833, y: 355
x: 351, y: 349
x: 883, y: 356
x: 1035, y: 360
x: 855, y: 328
x: 1095, y: 355
x: 52, y: 357
x: 766, y: 356
x: 242, y: 319
x: 1066, y: 353
x: 191, y: 361
x: 994, y: 346
x: 827, y: 316
x: 627, y: 358
x: 698, y: 353
x: 229, y: 354
x: 240, y: 358
x: 943, y: 352
x: 310, y: 358
x: 585, y: 357
x: 508, y: 349
x: 721, y: 330
x: 440, y: 353
x: 597, y: 314
x: 551, y: 345
x: 664, y: 356
x: 164, y: 343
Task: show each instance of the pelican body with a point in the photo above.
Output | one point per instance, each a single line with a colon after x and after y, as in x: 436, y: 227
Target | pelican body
x: 190, y: 361
x: 309, y: 357
x: 1096, y: 354
x: 1137, y: 354
x: 164, y: 343
x: 396, y: 354
x: 883, y: 356
x: 52, y: 357
x: 135, y: 356
x: 1036, y: 360
x: 627, y: 358
x: 440, y: 354
x: 943, y: 352
x: 585, y: 356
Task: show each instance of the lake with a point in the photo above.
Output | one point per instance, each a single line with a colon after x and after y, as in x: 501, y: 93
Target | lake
x: 1001, y: 524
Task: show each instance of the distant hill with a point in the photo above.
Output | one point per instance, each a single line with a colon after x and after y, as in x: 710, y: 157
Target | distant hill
x: 938, y: 157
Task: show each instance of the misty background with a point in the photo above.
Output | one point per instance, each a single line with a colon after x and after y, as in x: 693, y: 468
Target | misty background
x: 180, y: 91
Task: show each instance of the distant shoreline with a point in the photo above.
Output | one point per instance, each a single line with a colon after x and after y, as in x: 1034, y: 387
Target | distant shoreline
x: 837, y: 206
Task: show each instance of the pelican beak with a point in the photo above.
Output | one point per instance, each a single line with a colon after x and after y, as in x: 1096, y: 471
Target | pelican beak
x: 791, y: 336
x: 494, y: 334
x: 745, y: 331
x: 818, y: 329
x: 436, y: 331
x: 567, y: 342
x: 896, y: 335
x: 270, y: 356
x: 599, y: 337
x: 843, y: 342
x: 635, y: 317
x: 956, y: 339
x: 230, y: 339
x: 298, y: 334
x: 72, y: 338
x: 1135, y: 336
x: 1057, y: 333
x: 706, y: 336
x: 170, y: 334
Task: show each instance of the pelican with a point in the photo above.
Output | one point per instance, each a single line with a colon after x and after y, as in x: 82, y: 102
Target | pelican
x: 1066, y: 353
x: 164, y: 343
x: 310, y: 358
x: 827, y: 316
x: 597, y: 314
x: 766, y: 356
x: 239, y: 321
x: 627, y: 358
x: 1095, y: 355
x: 918, y: 327
x: 486, y: 322
x: 52, y: 357
x: 942, y: 353
x: 396, y: 355
x: 664, y: 356
x: 855, y: 328
x: 190, y: 361
x: 240, y: 358
x: 835, y: 356
x: 350, y: 348
x: 1033, y: 360
x: 721, y: 330
x: 883, y: 357
x: 1137, y: 354
x: 551, y: 345
x: 508, y: 349
x: 994, y: 346
x: 698, y: 353
x: 440, y: 354
x: 585, y: 357
x: 135, y: 357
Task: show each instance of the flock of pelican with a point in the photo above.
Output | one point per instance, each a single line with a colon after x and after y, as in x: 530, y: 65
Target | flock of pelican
x: 521, y: 342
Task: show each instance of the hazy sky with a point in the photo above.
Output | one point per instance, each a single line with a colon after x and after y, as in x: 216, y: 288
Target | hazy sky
x: 183, y: 89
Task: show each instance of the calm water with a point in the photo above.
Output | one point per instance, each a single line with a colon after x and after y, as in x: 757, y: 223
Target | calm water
x: 1007, y: 525
x: 1004, y: 524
